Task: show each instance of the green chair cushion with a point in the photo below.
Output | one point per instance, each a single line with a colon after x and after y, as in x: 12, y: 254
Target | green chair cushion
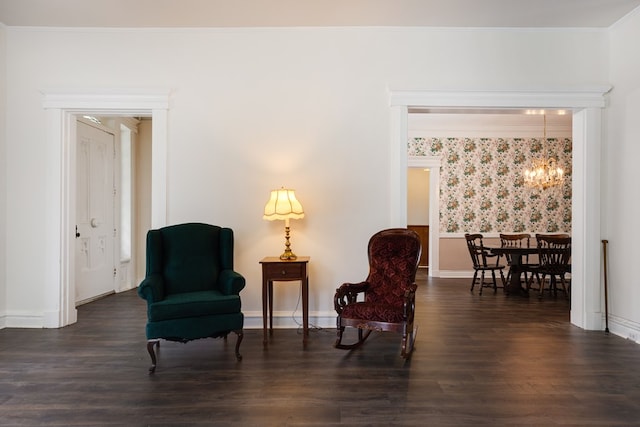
x: 192, y: 328
x: 193, y: 304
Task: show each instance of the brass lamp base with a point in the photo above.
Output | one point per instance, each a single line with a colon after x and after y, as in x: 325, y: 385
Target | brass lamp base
x: 287, y: 254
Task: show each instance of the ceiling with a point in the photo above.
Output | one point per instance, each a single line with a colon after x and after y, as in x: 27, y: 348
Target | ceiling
x: 323, y: 13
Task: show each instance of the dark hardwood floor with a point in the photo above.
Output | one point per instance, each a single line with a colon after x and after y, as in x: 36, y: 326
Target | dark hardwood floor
x: 484, y: 361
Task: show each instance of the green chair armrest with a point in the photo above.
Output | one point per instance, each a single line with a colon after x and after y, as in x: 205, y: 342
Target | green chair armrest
x: 231, y: 282
x: 152, y: 288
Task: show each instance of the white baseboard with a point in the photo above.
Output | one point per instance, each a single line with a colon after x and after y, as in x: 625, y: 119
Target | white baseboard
x: 285, y: 320
x: 23, y: 320
x: 456, y: 274
x: 624, y: 328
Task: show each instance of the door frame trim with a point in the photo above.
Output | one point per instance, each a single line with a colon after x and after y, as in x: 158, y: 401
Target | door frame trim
x: 61, y: 108
x: 587, y: 105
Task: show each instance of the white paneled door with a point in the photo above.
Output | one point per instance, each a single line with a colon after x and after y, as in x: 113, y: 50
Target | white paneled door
x: 95, y: 192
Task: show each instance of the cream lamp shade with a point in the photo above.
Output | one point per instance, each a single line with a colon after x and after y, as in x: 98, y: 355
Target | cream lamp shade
x: 283, y: 204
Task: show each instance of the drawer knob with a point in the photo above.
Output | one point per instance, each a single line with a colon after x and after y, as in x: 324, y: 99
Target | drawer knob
x: 284, y: 272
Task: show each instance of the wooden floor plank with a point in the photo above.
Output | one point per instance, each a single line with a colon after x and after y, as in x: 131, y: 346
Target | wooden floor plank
x: 485, y: 360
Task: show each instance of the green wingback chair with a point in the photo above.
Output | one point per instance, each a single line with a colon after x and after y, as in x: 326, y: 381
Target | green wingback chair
x: 191, y: 289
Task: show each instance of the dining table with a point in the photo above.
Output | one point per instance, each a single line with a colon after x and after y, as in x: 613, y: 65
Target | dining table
x: 514, y: 255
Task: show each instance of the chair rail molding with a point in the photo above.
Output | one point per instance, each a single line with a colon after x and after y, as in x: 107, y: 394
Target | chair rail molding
x: 62, y: 106
x: 587, y: 105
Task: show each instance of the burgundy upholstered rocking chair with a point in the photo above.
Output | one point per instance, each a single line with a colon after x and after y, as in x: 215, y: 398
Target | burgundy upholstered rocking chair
x: 389, y: 290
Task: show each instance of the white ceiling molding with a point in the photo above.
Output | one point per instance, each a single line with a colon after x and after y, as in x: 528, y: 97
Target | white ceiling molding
x: 316, y: 13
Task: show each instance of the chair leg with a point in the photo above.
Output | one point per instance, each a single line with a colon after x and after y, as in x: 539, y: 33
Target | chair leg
x: 561, y: 278
x: 240, y: 335
x: 150, y: 345
x: 563, y: 282
x: 481, y: 282
x: 531, y: 276
x: 526, y: 279
x: 495, y: 283
x: 542, y: 285
x: 530, y: 280
x: 473, y: 282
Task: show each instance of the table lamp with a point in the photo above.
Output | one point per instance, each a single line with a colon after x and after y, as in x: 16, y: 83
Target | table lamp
x: 283, y: 205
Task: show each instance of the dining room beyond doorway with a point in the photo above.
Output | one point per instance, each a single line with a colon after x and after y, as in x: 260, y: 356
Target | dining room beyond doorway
x: 483, y: 154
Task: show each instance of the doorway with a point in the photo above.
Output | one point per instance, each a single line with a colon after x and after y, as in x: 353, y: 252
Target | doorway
x: 586, y: 106
x: 112, y: 177
x: 61, y: 110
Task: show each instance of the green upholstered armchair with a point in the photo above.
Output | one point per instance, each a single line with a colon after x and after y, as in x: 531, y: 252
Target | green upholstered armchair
x: 190, y: 286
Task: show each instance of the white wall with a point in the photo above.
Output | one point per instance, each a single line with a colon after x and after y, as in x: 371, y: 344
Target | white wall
x: 3, y: 177
x: 256, y: 109
x: 621, y: 205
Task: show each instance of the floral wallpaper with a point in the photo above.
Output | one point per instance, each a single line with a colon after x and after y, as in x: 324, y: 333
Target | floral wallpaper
x: 482, y: 187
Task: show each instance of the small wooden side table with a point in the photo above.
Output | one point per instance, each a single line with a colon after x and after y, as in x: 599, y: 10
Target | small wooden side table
x: 275, y: 269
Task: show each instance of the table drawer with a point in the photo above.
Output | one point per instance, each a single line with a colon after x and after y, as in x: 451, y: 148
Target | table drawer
x: 283, y: 271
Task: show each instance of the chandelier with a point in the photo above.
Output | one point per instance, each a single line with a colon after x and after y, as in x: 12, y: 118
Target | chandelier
x: 544, y: 171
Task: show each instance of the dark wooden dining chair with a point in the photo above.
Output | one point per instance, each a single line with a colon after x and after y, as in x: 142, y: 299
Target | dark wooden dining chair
x: 519, y: 240
x: 554, y: 253
x: 483, y: 261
